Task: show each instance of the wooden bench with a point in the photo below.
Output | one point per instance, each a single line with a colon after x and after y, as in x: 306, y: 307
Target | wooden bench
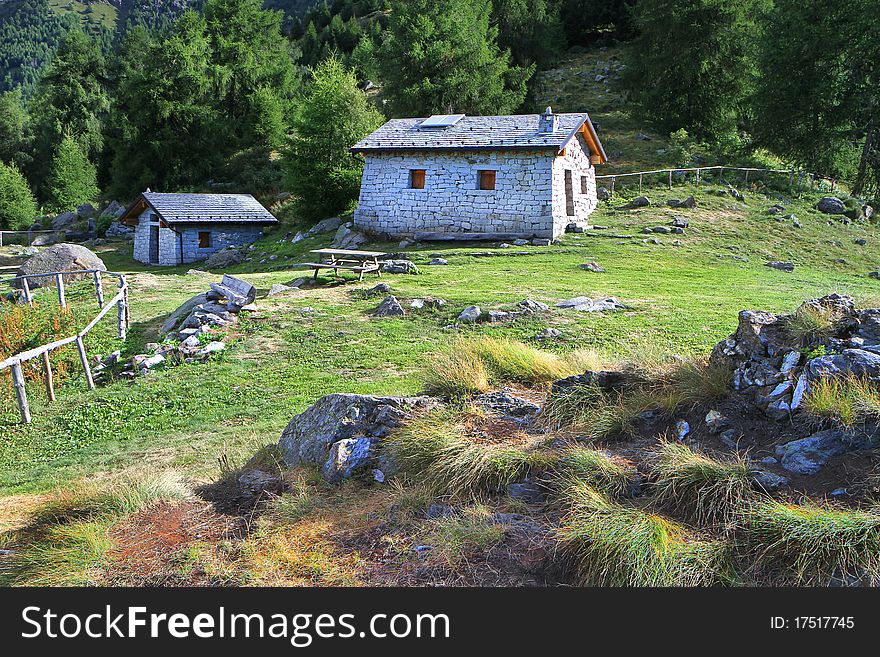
x: 236, y: 291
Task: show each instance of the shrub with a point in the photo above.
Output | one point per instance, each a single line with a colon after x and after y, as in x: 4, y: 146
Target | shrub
x: 615, y: 545
x: 847, y: 400
x: 811, y: 544
x: 705, y: 490
x: 437, y: 449
x: 593, y: 467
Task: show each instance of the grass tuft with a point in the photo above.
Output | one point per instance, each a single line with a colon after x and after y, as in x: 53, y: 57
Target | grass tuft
x: 811, y: 544
x: 705, y: 490
x: 810, y: 323
x: 455, y: 374
x: 612, y: 476
x: 438, y: 450
x: 847, y: 400
x: 457, y: 536
x: 615, y: 545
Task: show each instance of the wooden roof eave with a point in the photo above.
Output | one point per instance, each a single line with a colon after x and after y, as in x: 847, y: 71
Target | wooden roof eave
x: 597, y: 152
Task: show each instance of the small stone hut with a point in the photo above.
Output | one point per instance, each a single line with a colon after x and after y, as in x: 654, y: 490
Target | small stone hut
x: 479, y: 177
x: 175, y: 229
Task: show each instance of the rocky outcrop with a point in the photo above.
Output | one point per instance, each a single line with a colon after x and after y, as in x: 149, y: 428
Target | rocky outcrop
x: 61, y: 257
x: 774, y: 363
x: 228, y: 257
x: 341, y: 433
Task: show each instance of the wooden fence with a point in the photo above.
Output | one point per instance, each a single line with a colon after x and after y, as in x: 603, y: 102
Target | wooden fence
x: 795, y: 178
x: 13, y: 363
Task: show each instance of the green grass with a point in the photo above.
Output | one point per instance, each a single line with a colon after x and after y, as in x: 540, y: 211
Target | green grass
x: 438, y: 450
x: 455, y: 537
x: 593, y: 467
x: 704, y: 490
x: 847, y: 400
x: 811, y: 544
x: 66, y: 541
x: 611, y: 544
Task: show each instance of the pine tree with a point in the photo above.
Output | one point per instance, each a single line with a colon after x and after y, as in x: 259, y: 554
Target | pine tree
x: 333, y: 117
x: 443, y: 57
x: 693, y: 64
x: 17, y: 204
x: 72, y: 180
x: 530, y: 29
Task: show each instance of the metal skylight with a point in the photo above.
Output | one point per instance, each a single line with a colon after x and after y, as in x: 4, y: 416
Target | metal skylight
x: 439, y: 121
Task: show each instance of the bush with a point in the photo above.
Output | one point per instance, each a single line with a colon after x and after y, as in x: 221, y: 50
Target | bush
x: 615, y: 545
x: 17, y: 204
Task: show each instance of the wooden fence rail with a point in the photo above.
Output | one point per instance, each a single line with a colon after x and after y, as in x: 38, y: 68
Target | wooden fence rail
x: 793, y: 175
x: 14, y: 363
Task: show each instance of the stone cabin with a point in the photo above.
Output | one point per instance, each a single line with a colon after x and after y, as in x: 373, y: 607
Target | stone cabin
x: 175, y: 229
x: 479, y: 177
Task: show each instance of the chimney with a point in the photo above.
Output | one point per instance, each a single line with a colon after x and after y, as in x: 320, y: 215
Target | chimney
x: 548, y: 122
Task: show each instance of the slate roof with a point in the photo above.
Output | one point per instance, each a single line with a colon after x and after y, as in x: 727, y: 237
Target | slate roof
x: 207, y: 208
x: 474, y: 133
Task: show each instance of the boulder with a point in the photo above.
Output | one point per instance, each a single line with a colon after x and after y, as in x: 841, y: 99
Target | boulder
x: 781, y: 266
x: 228, y: 257
x: 64, y: 221
x: 438, y: 261
x: 119, y: 230
x: 61, y: 257
x: 389, y: 307
x: 470, y: 315
x: 399, y: 267
x: 183, y: 311
x: 831, y: 205
x: 376, y: 290
x: 533, y: 306
x: 325, y: 226
x: 549, y: 334
x: 594, y: 267
x: 507, y: 405
x: 806, y: 456
x: 349, y: 238
x: 637, y: 202
x: 603, y: 194
x: 358, y: 422
x: 277, y: 289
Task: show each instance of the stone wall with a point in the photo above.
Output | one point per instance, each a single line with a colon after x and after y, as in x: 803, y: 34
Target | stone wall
x: 529, y: 194
x: 187, y: 238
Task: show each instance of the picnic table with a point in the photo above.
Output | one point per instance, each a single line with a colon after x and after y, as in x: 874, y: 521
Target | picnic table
x: 360, y: 262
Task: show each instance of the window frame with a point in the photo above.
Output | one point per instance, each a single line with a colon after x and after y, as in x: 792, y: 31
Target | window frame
x: 204, y: 236
x: 488, y: 173
x: 420, y: 175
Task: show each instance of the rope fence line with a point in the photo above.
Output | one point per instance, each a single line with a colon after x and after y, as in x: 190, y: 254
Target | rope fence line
x: 123, y: 321
x: 793, y: 175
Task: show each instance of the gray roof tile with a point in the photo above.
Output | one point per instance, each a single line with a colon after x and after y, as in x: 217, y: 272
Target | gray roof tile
x: 472, y: 132
x: 209, y: 208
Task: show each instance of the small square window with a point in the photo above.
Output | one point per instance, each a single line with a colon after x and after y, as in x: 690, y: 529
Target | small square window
x: 417, y: 178
x: 204, y: 240
x: 487, y: 179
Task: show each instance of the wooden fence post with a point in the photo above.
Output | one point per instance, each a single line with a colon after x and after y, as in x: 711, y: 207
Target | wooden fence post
x: 27, y: 291
x: 640, y: 183
x: 698, y: 176
x: 47, y: 374
x: 84, y: 359
x: 613, y: 180
x: 99, y: 289
x: 20, y: 393
x: 670, y: 179
x: 59, y: 280
x: 120, y: 317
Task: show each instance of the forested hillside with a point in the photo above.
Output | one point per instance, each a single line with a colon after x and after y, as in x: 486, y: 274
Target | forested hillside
x: 237, y: 96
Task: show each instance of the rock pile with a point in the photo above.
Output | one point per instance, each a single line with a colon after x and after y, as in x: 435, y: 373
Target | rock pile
x: 777, y: 365
x: 210, y: 310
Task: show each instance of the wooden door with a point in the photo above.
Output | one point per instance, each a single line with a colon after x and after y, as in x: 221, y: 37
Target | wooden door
x: 154, y: 245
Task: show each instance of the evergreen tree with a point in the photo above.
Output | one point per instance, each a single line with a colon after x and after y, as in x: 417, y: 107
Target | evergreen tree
x: 693, y: 64
x: 15, y: 136
x: 819, y: 95
x: 443, y: 57
x: 530, y: 29
x: 171, y: 135
x: 72, y: 179
x: 71, y: 99
x: 596, y: 21
x: 17, y: 204
x: 333, y: 117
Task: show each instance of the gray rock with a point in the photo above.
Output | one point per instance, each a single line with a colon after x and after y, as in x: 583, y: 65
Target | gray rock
x: 806, y: 456
x: 255, y: 483
x: 212, y: 348
x: 541, y: 241
x: 549, y: 334
x: 508, y: 405
x: 228, y: 257
x: 428, y: 302
x: 85, y: 211
x: 520, y: 242
x: 119, y: 230
x: 861, y: 241
x: 585, y: 304
x: 389, y: 307
x: 641, y: 136
x: 663, y: 230
x: 781, y: 266
x: 769, y: 481
x: 470, y: 315
x: 533, y: 306
x: 277, y: 289
x: 831, y: 205
x: 603, y: 194
x: 679, y: 222
x: 310, y: 436
x: 682, y: 429
x: 64, y: 221
x: 528, y: 492
x: 58, y: 258
x: 438, y: 261
x: 325, y: 226
x: 349, y: 238
x: 860, y: 362
x: 177, y: 316
x: 715, y: 422
x: 637, y: 202
x: 376, y: 290
x: 399, y: 267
